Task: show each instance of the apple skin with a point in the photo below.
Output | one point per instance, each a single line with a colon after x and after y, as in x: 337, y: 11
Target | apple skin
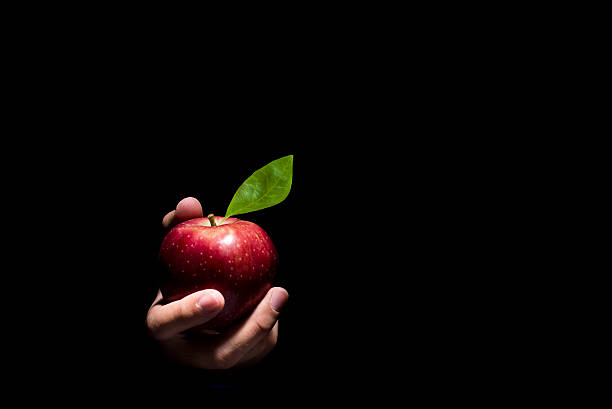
x: 236, y: 258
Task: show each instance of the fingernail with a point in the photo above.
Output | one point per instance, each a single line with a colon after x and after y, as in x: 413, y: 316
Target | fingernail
x: 207, y: 303
x: 278, y: 299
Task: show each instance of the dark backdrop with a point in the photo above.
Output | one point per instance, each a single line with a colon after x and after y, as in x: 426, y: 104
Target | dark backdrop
x: 374, y: 238
x: 358, y: 238
x: 331, y: 233
x: 404, y: 243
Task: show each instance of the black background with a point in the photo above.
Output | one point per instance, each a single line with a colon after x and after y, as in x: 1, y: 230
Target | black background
x: 421, y: 243
x: 363, y: 240
x: 354, y: 255
x: 357, y: 239
x: 377, y: 239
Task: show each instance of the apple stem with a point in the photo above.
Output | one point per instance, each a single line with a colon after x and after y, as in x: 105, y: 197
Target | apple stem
x: 211, y: 217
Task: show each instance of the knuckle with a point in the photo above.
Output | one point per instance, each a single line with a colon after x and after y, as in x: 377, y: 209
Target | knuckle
x: 154, y: 329
x: 184, y: 311
x: 273, y: 340
x: 270, y: 341
x: 151, y: 323
x: 222, y: 360
x: 261, y: 325
x: 180, y: 311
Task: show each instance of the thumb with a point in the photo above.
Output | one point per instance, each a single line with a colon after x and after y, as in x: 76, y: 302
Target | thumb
x: 166, y: 321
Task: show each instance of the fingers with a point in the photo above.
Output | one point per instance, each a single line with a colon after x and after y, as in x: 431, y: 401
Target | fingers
x: 167, y: 221
x: 263, y: 348
x: 245, y: 344
x: 200, y: 352
x: 186, y: 209
x: 236, y: 343
x: 166, y: 321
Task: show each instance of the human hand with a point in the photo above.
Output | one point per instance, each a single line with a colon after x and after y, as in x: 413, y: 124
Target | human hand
x: 245, y: 343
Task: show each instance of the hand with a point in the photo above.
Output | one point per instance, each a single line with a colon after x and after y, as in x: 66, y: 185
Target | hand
x: 245, y: 343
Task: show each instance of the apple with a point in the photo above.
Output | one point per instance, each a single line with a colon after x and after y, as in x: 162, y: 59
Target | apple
x: 233, y: 256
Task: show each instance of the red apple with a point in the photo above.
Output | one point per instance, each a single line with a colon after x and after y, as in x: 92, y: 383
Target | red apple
x: 235, y: 257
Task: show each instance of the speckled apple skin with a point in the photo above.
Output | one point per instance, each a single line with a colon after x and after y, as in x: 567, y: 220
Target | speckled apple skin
x: 236, y: 258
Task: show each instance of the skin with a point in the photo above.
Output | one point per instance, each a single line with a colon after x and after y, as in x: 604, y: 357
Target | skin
x: 245, y: 343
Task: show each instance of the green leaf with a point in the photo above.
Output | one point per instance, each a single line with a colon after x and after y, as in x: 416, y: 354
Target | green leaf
x: 266, y: 187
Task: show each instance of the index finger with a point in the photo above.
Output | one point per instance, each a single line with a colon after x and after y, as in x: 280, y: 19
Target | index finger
x: 188, y: 208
